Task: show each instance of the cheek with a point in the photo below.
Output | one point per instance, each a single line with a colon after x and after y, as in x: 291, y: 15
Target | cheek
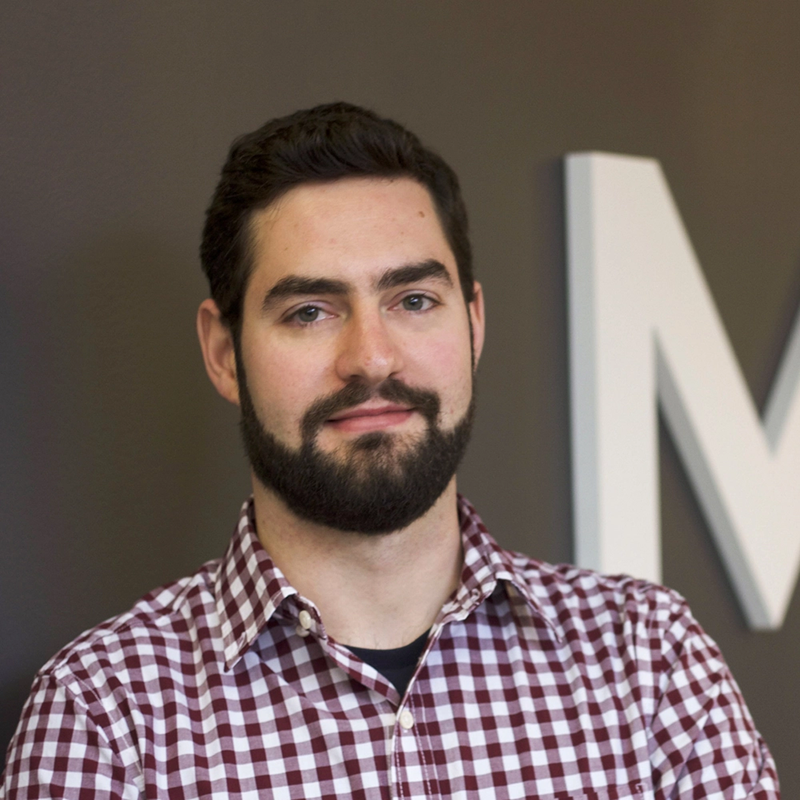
x: 283, y: 386
x: 446, y: 367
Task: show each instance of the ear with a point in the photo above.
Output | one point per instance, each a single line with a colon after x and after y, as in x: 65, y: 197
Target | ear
x: 219, y: 355
x: 476, y: 315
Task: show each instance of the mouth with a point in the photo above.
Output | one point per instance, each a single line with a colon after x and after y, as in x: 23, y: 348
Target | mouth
x: 370, y: 418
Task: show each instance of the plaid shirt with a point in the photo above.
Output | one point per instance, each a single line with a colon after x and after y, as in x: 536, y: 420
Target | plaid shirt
x: 536, y: 682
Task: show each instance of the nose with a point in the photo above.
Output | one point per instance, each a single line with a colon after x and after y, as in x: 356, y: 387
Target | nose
x: 367, y: 351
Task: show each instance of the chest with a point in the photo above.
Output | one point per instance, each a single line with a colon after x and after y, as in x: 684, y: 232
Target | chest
x: 497, y: 708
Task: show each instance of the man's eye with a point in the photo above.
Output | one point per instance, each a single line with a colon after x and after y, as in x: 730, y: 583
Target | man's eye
x: 307, y: 314
x: 416, y: 302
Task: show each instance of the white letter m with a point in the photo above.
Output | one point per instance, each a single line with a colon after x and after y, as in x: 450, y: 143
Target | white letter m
x: 643, y: 326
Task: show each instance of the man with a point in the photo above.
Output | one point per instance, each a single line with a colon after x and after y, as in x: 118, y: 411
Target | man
x: 364, y: 636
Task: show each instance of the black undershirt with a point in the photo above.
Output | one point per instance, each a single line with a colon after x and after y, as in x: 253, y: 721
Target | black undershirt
x: 396, y: 665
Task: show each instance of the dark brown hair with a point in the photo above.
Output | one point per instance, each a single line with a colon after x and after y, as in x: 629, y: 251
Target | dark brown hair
x: 325, y: 143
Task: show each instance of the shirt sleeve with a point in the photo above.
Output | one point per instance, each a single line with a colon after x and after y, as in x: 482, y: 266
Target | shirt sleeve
x: 59, y: 752
x: 704, y: 741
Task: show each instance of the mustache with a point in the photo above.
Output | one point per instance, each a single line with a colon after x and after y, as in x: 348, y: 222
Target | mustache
x: 354, y: 394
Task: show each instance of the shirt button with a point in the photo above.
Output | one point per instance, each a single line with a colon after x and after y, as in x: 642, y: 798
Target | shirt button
x: 301, y: 631
x: 305, y: 619
x: 407, y: 719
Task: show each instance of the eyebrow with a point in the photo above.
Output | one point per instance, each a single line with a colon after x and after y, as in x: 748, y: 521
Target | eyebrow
x: 410, y: 273
x: 298, y: 286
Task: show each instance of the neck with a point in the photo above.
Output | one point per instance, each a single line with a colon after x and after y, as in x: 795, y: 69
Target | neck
x: 372, y: 590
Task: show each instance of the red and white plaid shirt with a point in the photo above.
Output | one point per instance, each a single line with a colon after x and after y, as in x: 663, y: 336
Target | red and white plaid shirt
x: 536, y: 682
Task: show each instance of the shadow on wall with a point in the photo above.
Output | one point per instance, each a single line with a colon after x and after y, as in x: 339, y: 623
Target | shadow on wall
x: 13, y: 693
x: 130, y: 413
x: 15, y: 480
x: 125, y: 489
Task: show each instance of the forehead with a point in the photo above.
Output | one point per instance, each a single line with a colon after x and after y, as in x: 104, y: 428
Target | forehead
x: 349, y: 229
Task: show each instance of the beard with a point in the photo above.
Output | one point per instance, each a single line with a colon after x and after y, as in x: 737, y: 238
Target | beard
x: 378, y: 482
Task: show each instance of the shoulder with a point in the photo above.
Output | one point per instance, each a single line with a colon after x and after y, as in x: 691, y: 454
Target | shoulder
x: 585, y: 606
x: 582, y: 606
x: 566, y: 586
x: 157, y: 631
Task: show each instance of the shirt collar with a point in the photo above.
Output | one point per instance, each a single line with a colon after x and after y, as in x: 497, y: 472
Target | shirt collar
x: 486, y: 564
x: 249, y: 587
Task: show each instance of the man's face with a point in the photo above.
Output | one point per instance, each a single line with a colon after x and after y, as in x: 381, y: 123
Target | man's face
x: 355, y: 361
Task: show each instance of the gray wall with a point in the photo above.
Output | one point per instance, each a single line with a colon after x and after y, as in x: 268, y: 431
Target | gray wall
x: 120, y: 468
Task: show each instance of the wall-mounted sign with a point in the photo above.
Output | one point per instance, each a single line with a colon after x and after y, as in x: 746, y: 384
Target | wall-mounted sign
x: 644, y: 330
